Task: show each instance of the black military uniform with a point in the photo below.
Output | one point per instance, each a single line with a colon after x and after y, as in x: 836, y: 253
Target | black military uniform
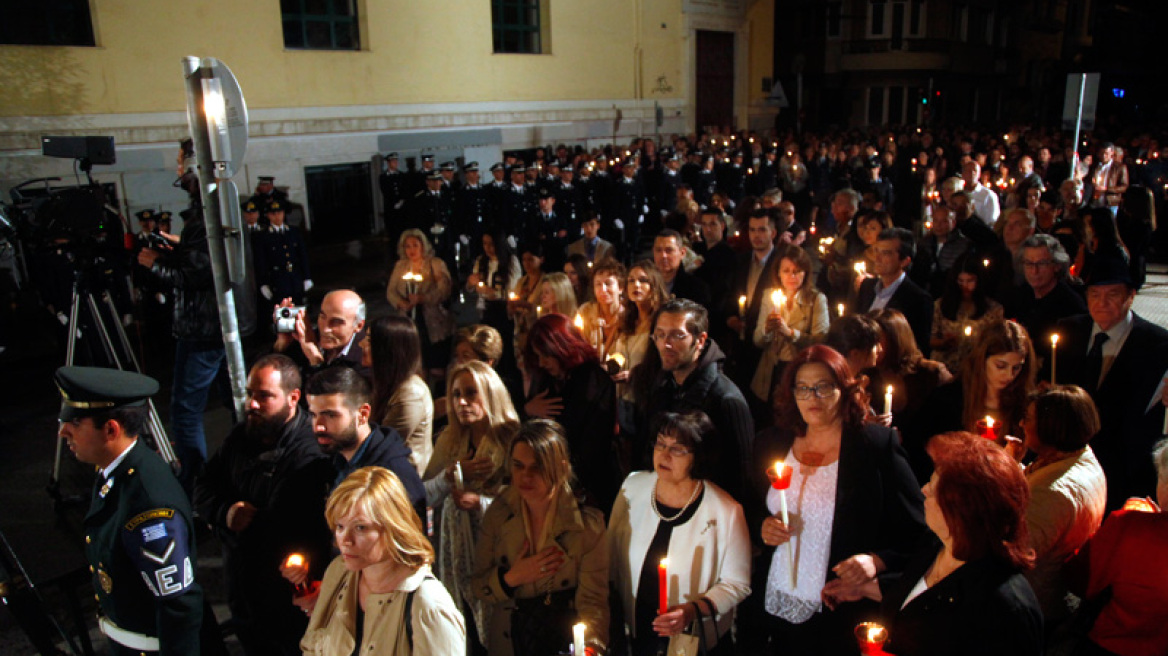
x: 266, y: 194
x: 139, y: 538
x: 153, y: 297
x: 394, y: 193
x: 472, y: 214
x: 281, y: 262
x: 551, y: 230
x: 432, y: 212
x: 629, y: 209
x: 569, y: 199
x: 732, y: 177
x: 518, y: 207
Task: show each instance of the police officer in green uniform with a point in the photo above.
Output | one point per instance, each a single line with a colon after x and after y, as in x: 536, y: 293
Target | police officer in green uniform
x: 139, y: 539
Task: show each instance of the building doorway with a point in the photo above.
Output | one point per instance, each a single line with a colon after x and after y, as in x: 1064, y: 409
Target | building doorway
x: 715, y: 79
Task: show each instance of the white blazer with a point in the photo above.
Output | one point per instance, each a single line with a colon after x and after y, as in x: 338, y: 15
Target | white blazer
x: 709, y: 556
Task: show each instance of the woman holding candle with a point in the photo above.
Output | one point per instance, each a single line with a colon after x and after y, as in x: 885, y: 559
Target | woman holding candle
x: 1068, y: 491
x: 522, y: 301
x: 419, y: 287
x: 604, y: 317
x: 579, y: 272
x: 401, y: 399
x: 854, y: 504
x: 675, y: 513
x: 493, y: 278
x: 963, y: 591
x: 465, y: 474
x: 542, y: 559
x: 381, y: 574
x: 963, y: 306
x: 556, y: 296
x: 802, y: 318
x: 569, y: 385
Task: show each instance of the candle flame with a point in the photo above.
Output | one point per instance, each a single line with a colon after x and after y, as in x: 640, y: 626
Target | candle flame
x: 617, y: 358
x: 969, y: 331
x: 1054, y: 339
x: 511, y: 296
x: 664, y: 563
x: 840, y: 308
x: 579, y: 321
x: 741, y: 302
x: 294, y: 560
x: 985, y: 262
x: 989, y: 421
x: 778, y: 299
x: 874, y: 633
x: 860, y: 268
x: 888, y: 390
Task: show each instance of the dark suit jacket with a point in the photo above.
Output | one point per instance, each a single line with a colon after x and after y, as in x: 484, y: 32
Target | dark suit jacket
x: 686, y: 285
x: 1124, y: 443
x: 914, y: 302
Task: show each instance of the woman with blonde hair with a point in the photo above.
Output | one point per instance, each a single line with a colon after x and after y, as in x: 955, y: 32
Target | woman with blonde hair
x: 466, y: 472
x: 542, y: 559
x: 556, y: 295
x: 419, y: 287
x: 378, y: 595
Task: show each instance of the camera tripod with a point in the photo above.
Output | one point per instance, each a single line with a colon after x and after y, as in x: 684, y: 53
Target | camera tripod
x: 155, y: 431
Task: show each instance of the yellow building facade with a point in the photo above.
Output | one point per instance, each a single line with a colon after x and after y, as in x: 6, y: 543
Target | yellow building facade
x: 425, y: 77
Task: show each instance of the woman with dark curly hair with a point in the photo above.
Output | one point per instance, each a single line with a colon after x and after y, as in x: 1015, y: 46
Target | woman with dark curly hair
x: 854, y: 504
x: 964, y: 305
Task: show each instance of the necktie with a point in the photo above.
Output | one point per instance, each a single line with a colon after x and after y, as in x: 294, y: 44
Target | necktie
x: 1094, y: 364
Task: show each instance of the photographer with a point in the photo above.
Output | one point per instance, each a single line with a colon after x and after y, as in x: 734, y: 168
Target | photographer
x: 340, y: 327
x: 199, y: 355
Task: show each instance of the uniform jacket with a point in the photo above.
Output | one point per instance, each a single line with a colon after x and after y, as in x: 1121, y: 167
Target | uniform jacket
x: 579, y: 534
x: 140, y: 544
x: 282, y: 263
x: 712, y: 551
x: 438, y: 627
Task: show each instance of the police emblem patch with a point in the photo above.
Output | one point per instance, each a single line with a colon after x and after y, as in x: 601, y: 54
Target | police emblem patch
x: 107, y: 584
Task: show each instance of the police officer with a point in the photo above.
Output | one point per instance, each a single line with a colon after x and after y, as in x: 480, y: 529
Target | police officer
x: 394, y: 185
x: 139, y: 538
x: 472, y: 212
x: 266, y: 193
x: 281, y: 260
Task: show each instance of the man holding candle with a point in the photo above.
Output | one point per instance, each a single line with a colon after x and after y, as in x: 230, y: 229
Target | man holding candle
x: 263, y: 493
x: 1046, y: 297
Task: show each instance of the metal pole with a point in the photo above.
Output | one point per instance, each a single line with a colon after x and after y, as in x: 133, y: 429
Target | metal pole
x: 210, y: 175
x: 1078, y: 126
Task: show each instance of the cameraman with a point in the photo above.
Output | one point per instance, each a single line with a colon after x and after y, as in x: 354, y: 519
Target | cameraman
x: 340, y: 327
x: 199, y: 355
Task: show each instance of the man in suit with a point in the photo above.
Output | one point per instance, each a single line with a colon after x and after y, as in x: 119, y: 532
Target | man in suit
x: 938, y: 252
x: 1046, y: 297
x: 1120, y: 359
x: 668, y: 253
x: 891, y: 288
x: 717, y: 270
x: 139, y: 536
x: 752, y: 276
x: 591, y: 245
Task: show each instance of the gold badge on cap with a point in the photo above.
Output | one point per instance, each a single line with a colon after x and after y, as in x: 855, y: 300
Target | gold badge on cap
x: 107, y: 584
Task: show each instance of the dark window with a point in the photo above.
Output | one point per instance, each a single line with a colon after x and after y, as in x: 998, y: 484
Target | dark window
x: 877, y: 26
x: 340, y: 198
x: 835, y: 12
x: 876, y: 106
x: 46, y: 23
x: 914, y: 18
x: 896, y: 105
x: 516, y: 25
x: 320, y: 24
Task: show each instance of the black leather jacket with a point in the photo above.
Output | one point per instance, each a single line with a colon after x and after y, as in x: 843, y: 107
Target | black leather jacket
x: 188, y: 271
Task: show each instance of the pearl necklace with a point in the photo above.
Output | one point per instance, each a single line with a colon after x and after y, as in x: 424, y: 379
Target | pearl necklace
x: 653, y: 502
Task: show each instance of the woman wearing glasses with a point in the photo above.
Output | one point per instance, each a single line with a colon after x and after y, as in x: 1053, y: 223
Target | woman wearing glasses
x: 853, y: 504
x: 674, y: 512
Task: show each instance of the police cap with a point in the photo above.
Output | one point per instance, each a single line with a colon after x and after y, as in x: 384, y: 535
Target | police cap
x: 275, y: 206
x: 474, y: 166
x: 164, y: 217
x: 497, y: 166
x: 434, y: 175
x: 447, y: 166
x: 545, y: 192
x: 267, y: 178
x: 145, y: 215
x: 390, y: 156
x: 250, y: 207
x: 86, y: 391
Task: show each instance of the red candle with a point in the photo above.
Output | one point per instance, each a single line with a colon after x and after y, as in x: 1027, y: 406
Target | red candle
x: 780, y: 476
x: 663, y: 586
x: 871, y: 638
x: 296, y: 560
x: 985, y: 428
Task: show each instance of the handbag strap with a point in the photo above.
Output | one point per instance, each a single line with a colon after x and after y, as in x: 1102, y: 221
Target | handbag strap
x: 700, y: 626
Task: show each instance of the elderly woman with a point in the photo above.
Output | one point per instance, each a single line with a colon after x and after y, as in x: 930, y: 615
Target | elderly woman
x: 1129, y: 558
x: 419, y: 288
x: 1068, y: 491
x: 853, y: 504
x: 675, y: 513
x: 569, y: 385
x: 466, y: 473
x: 378, y: 595
x: 401, y: 399
x: 963, y: 591
x: 800, y: 320
x: 542, y: 559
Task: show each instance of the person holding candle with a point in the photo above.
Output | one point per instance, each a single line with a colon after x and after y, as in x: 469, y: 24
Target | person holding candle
x: 542, y: 558
x: 854, y: 504
x: 522, y: 301
x: 802, y: 320
x: 1068, y: 491
x: 401, y: 399
x: 579, y: 272
x: 423, y: 297
x: 378, y: 595
x: 569, y: 385
x: 556, y: 296
x: 674, y: 512
x: 465, y: 474
x: 604, y: 317
x: 963, y: 305
x: 963, y: 591
x: 493, y: 277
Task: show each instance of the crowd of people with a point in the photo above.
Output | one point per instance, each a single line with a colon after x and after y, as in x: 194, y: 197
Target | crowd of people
x: 746, y: 391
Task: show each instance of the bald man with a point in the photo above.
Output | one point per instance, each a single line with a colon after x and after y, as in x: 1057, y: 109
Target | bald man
x: 340, y: 327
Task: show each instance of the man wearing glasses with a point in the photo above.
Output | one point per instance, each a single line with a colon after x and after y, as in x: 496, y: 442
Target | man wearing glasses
x: 690, y: 379
x: 1047, y: 296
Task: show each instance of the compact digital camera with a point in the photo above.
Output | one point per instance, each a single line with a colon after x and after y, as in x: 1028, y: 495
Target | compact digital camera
x: 286, y: 318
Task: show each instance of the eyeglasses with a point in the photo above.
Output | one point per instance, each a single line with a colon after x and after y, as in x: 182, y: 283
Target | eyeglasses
x: 820, y: 390
x: 675, y: 450
x: 1037, y: 265
x: 674, y: 337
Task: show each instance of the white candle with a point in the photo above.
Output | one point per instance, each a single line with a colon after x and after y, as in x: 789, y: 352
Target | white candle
x: 742, y: 306
x: 1054, y: 339
x: 840, y: 308
x: 578, y: 639
x: 888, y: 400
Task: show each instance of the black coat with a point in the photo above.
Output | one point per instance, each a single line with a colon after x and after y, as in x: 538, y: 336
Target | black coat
x: 1129, y: 429
x: 188, y: 271
x: 912, y: 301
x: 983, y: 607
x: 687, y: 285
x: 1040, y: 316
x: 281, y: 263
x: 385, y: 448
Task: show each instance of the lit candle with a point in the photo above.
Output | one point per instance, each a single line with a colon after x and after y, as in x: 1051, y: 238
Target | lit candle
x: 860, y: 268
x: 779, y: 300
x: 579, y: 322
x: 663, y: 586
x: 539, y: 310
x: 459, y: 482
x: 871, y: 638
x: 742, y: 306
x: 512, y: 296
x: 840, y: 308
x: 1053, y: 358
x: 985, y: 428
x: 986, y: 263
x: 578, y: 639
x: 297, y: 561
x: 780, y: 475
x: 888, y: 400
x: 969, y: 331
x: 618, y: 359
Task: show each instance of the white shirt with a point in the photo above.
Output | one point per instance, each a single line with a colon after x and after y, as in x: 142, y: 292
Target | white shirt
x: 109, y: 469
x: 811, y: 496
x: 985, y: 204
x: 884, y: 294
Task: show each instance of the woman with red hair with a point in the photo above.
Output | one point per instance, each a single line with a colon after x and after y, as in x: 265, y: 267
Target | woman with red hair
x: 963, y: 592
x: 569, y: 385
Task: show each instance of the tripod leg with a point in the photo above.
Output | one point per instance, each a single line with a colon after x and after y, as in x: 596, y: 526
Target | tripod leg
x: 54, y: 486
x: 106, y: 342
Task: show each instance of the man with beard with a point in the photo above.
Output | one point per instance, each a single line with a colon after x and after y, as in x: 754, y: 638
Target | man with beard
x: 264, y: 494
x: 337, y: 339
x: 339, y: 402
